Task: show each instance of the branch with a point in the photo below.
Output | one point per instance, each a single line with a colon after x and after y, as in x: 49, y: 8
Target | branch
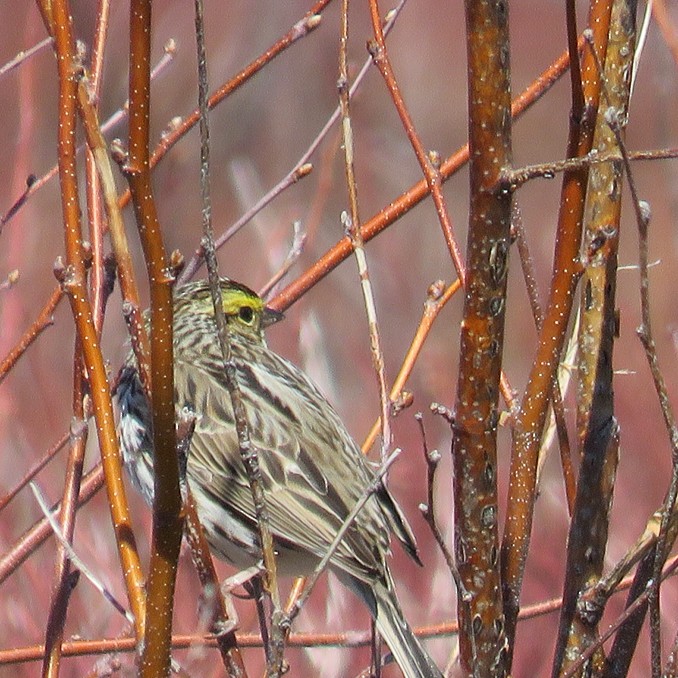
x: 482, y: 648
x: 167, y: 521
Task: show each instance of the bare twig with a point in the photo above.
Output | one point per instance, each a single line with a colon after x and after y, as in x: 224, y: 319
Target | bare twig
x: 437, y: 296
x: 25, y: 54
x: 547, y: 170
x: 19, y: 202
x: 231, y: 655
x: 296, y: 248
x: 666, y: 538
x: 75, y: 558
x: 38, y: 533
x: 351, y: 222
x: 41, y: 323
x: 530, y: 277
x: 218, y: 620
x: 34, y: 470
x: 63, y: 574
x: 301, y: 168
x: 433, y: 458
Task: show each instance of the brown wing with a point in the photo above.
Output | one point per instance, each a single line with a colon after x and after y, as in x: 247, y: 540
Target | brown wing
x: 314, y: 473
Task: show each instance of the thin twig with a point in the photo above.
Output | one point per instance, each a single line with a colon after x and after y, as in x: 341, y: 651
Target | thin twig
x: 25, y: 54
x: 296, y: 248
x: 36, y: 183
x: 301, y: 168
x: 218, y: 619
x: 41, y: 323
x: 98, y: 156
x: 430, y: 163
x: 530, y: 278
x: 433, y: 458
x: 437, y: 297
x: 646, y: 337
x: 351, y: 223
x: 74, y: 557
x: 548, y: 170
x: 34, y: 470
x: 95, y: 208
x: 31, y: 179
x: 248, y: 452
x: 347, y: 639
x: 232, y: 655
x: 40, y: 531
x: 63, y: 574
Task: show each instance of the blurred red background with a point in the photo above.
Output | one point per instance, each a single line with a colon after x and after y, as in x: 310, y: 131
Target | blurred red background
x: 257, y: 136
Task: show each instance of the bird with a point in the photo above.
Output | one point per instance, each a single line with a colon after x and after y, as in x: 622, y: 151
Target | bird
x: 313, y: 473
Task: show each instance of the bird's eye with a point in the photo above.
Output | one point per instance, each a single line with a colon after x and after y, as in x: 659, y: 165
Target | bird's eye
x: 246, y: 314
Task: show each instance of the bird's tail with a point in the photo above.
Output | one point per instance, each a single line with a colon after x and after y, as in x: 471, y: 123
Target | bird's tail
x: 410, y: 656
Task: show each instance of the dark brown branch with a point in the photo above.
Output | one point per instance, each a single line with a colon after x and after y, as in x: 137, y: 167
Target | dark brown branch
x: 668, y: 531
x: 566, y: 270
x: 596, y: 423
x: 482, y: 646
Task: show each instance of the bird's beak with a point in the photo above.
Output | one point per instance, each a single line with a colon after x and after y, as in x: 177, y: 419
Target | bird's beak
x: 270, y: 316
